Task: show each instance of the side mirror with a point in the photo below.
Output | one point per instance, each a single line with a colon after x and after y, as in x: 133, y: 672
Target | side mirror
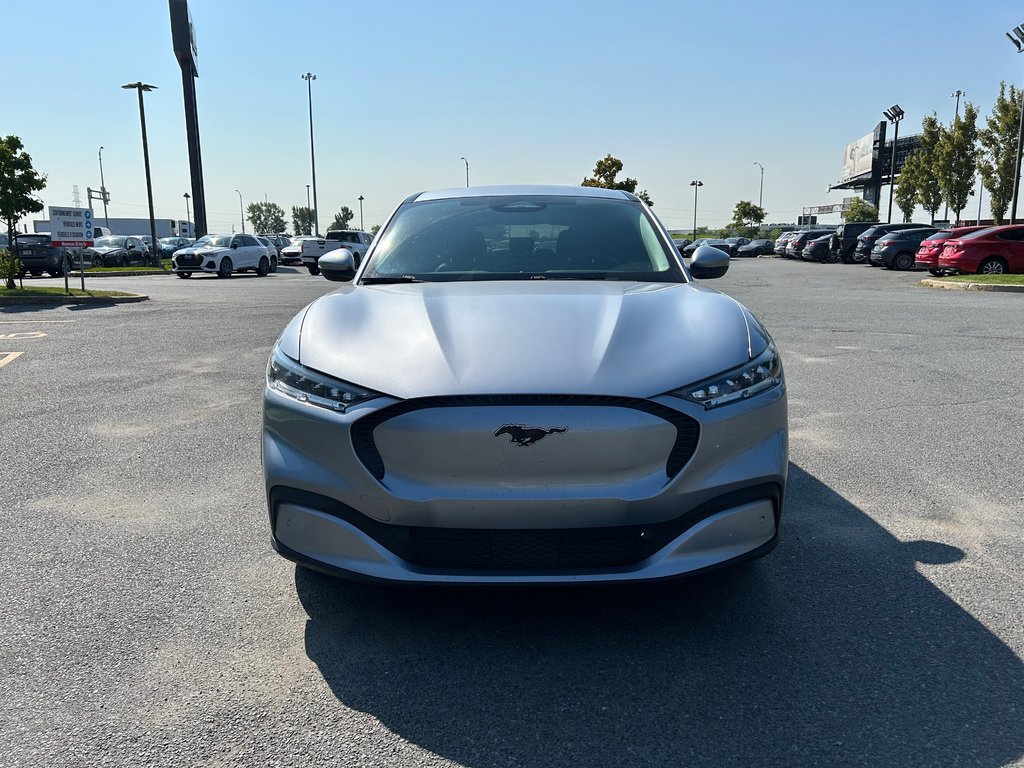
x: 338, y: 266
x: 131, y: 246
x: 708, y: 263
x: 234, y: 245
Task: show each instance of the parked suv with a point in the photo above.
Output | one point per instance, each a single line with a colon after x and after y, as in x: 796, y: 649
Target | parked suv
x: 846, y: 239
x: 38, y: 254
x: 866, y: 241
x: 896, y: 250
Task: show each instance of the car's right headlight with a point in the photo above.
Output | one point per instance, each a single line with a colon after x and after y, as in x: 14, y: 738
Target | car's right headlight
x: 305, y: 385
x: 762, y: 373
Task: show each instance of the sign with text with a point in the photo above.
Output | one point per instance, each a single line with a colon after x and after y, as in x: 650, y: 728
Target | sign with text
x: 71, y: 227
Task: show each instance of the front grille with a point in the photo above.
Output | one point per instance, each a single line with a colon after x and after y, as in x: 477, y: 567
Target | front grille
x: 190, y: 261
x: 525, y: 549
x: 687, y: 429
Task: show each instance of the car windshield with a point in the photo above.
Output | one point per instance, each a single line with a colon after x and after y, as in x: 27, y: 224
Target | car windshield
x: 169, y: 240
x: 345, y: 237
x: 943, y: 235
x: 109, y: 242
x: 550, y: 237
x: 32, y: 239
x: 219, y: 241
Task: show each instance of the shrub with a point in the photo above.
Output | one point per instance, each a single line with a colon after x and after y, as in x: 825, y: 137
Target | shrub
x: 10, y: 268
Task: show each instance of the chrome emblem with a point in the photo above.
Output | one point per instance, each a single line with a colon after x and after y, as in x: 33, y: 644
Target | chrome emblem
x: 524, y: 436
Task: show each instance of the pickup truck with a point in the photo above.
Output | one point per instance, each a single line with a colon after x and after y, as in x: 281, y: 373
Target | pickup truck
x: 354, y: 240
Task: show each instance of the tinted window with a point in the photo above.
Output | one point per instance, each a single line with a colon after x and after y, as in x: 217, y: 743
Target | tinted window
x: 942, y: 235
x: 345, y: 237
x: 1013, y: 235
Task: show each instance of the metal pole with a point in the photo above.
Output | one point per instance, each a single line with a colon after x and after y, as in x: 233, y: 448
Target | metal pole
x: 360, y: 212
x: 695, y: 213
x: 308, y: 205
x: 103, y: 193
x: 149, y: 180
x: 241, y: 210
x: 467, y: 169
x: 981, y: 191
x: 956, y: 114
x: 309, y: 77
x: 188, y: 216
x: 1016, y: 164
x: 892, y: 167
x: 760, y: 192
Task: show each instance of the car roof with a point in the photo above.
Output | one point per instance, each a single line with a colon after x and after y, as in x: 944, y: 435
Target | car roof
x: 522, y: 189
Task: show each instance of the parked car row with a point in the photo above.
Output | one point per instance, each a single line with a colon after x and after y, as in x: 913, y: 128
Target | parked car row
x: 734, y: 246
x: 959, y: 250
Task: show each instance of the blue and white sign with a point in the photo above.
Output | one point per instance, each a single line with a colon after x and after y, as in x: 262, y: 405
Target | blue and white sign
x: 71, y: 227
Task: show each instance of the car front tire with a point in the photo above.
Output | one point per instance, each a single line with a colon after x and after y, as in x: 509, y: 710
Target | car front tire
x: 226, y: 268
x: 184, y: 275
x: 314, y: 269
x: 264, y: 267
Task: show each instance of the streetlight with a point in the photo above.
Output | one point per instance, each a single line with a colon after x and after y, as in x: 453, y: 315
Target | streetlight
x: 1017, y: 38
x: 140, y: 87
x: 893, y: 114
x: 360, y: 212
x: 241, y: 210
x: 103, y: 193
x: 309, y: 77
x: 188, y: 216
x: 760, y: 192
x: 695, y: 184
x: 956, y: 114
x: 467, y: 169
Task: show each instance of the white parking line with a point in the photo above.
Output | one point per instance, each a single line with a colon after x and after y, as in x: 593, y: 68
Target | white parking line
x: 9, y: 357
x: 33, y: 322
x: 22, y: 335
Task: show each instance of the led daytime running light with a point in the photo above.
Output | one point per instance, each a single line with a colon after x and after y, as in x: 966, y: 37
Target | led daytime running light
x: 760, y: 374
x: 293, y: 380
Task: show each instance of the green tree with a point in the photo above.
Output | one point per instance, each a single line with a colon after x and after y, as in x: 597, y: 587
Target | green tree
x: 342, y: 218
x: 605, y: 173
x: 926, y: 175
x: 746, y: 216
x: 302, y: 220
x: 375, y: 229
x: 906, y: 188
x: 266, y: 217
x: 18, y: 181
x: 957, y: 155
x: 999, y: 148
x: 860, y: 210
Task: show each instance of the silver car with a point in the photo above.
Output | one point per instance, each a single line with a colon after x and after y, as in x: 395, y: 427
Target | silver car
x: 524, y: 384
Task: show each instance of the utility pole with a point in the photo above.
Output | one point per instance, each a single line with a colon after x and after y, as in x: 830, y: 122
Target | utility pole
x: 142, y: 87
x: 760, y: 193
x: 360, y: 213
x: 309, y: 77
x: 695, y: 184
x: 103, y: 192
x: 1017, y: 38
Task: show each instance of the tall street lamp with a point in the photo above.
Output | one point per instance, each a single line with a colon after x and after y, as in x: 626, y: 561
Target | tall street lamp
x: 956, y: 114
x: 760, y: 191
x: 360, y: 212
x: 309, y: 77
x: 307, y: 197
x: 893, y: 114
x: 1017, y: 38
x: 695, y: 184
x: 103, y: 193
x: 241, y: 210
x: 467, y: 169
x: 188, y: 216
x: 141, y: 87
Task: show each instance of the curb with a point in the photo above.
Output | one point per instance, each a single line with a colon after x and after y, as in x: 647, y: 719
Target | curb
x: 122, y: 273
x: 132, y: 298
x: 995, y: 287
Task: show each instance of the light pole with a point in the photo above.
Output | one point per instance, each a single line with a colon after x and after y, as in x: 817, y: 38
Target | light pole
x: 360, y: 212
x: 956, y: 114
x: 141, y: 87
x: 241, y: 210
x: 188, y: 216
x: 309, y: 77
x: 1017, y: 38
x: 695, y: 184
x: 307, y: 197
x: 760, y: 192
x: 467, y: 169
x: 103, y: 193
x: 893, y: 114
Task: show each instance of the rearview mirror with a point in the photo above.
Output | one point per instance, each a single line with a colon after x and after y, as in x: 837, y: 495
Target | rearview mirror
x: 338, y: 266
x: 708, y: 263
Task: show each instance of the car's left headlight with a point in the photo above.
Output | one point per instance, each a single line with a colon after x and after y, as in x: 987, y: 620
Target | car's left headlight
x: 762, y: 373
x: 293, y: 380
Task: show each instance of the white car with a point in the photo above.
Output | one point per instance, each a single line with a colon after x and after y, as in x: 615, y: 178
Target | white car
x: 293, y: 253
x: 267, y: 243
x: 222, y: 255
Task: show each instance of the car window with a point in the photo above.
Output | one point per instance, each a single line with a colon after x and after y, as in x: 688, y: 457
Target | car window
x: 523, y: 237
x: 1013, y: 235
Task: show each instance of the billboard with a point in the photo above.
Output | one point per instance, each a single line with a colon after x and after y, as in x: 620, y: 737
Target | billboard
x: 857, y: 158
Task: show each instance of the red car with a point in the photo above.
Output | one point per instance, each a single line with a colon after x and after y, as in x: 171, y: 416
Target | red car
x: 929, y: 251
x: 992, y: 251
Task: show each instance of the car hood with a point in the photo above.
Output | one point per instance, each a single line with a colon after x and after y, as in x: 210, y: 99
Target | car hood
x: 205, y: 250
x: 587, y: 338
x: 104, y: 249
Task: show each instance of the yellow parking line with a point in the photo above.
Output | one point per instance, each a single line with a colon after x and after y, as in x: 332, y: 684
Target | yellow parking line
x: 9, y: 357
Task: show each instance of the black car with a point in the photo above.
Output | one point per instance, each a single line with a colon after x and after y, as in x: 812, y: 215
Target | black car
x: 846, y: 239
x: 896, y: 250
x: 818, y: 248
x: 721, y: 245
x: 38, y: 255
x: 735, y: 243
x: 756, y: 248
x: 866, y: 241
x: 168, y: 245
x: 116, y: 251
x: 796, y: 245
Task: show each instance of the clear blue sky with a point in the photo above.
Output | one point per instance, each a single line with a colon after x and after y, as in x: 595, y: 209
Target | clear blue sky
x: 530, y: 92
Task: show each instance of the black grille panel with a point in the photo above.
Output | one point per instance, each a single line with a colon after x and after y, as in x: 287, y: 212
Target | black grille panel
x: 524, y: 549
x: 189, y: 261
x: 687, y: 430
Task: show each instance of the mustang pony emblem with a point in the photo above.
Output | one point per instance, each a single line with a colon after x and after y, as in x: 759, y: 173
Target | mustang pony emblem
x: 524, y: 436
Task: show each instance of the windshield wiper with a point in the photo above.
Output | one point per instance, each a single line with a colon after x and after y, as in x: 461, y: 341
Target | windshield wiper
x: 391, y: 279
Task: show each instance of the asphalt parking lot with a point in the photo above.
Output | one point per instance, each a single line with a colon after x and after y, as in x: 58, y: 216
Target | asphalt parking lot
x: 148, y: 622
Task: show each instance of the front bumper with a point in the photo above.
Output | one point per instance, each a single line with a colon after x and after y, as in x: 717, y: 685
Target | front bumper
x: 207, y: 265
x: 329, y: 510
